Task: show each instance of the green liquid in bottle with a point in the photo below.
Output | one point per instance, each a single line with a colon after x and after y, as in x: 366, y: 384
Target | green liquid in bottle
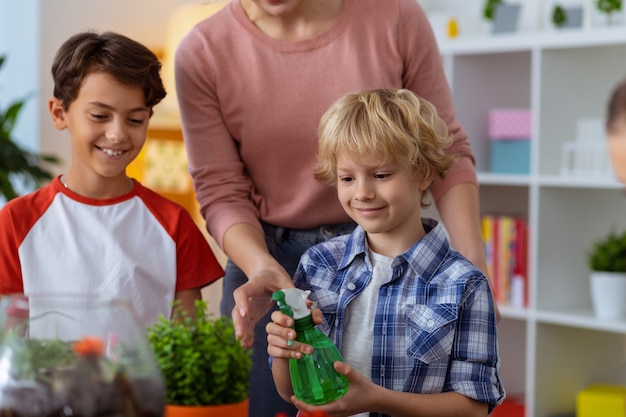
x: 314, y: 378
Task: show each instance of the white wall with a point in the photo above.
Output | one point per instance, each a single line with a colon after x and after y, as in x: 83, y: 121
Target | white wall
x: 19, y: 42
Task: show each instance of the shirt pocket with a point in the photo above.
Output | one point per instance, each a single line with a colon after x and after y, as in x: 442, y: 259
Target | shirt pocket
x: 327, y: 301
x: 430, y: 332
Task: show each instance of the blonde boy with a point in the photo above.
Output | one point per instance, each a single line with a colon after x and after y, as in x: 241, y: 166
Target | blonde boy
x: 414, y: 320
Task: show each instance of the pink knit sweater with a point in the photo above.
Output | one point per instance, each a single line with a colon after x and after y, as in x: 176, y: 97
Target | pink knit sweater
x: 251, y: 107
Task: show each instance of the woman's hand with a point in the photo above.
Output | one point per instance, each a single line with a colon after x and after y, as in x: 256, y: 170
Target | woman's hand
x: 254, y: 299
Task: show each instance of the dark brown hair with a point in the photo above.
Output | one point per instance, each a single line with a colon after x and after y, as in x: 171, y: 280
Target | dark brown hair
x: 616, y: 110
x: 126, y: 60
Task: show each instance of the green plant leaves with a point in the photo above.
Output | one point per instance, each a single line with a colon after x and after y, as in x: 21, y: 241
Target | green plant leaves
x: 16, y: 162
x: 201, y: 361
x: 559, y: 17
x: 609, y: 254
x: 609, y: 6
x: 489, y: 8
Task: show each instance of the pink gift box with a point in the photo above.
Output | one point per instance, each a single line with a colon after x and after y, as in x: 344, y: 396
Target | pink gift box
x: 510, y: 124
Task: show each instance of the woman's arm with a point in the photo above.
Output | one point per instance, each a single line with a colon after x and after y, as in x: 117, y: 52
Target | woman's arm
x: 460, y: 214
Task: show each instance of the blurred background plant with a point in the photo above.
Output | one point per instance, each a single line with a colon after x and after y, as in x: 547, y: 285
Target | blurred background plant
x: 559, y: 17
x: 489, y: 8
x: 16, y: 163
x: 609, y: 7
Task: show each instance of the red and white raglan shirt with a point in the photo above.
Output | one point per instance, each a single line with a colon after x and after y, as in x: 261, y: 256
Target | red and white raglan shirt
x: 139, y: 246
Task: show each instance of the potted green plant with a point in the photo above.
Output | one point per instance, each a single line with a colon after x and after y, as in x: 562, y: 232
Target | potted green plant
x: 202, y: 362
x: 503, y: 16
x: 607, y: 266
x: 489, y: 8
x: 609, y: 7
x: 16, y: 162
x: 570, y: 16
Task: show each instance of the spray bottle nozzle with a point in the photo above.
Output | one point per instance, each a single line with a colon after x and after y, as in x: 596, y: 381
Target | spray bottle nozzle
x: 279, y: 297
x: 292, y: 301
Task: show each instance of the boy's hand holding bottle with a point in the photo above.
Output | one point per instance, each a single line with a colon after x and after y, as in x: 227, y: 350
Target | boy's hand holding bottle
x: 311, y: 366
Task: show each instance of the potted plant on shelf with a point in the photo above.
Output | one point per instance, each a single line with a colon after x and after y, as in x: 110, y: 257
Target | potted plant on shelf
x: 607, y: 265
x: 559, y: 16
x: 14, y: 160
x: 205, y: 369
x: 502, y: 15
x: 566, y: 16
x: 489, y: 8
x: 609, y: 7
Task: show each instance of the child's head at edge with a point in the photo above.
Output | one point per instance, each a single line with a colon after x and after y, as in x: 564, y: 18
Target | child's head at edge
x: 395, y: 126
x: 616, y: 130
x: 127, y: 61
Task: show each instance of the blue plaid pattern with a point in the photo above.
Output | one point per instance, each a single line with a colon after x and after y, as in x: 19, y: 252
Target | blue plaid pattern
x: 435, y: 324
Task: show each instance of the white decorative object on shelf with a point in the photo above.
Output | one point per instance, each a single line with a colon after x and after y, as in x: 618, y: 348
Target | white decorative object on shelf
x: 608, y: 294
x: 588, y: 154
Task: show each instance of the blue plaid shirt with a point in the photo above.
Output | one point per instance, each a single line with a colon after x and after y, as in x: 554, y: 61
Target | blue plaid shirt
x: 435, y: 324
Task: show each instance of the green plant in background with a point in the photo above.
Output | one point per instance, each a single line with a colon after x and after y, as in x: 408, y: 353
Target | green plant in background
x: 14, y: 160
x: 609, y: 254
x: 609, y: 7
x: 559, y: 17
x: 201, y: 361
x: 489, y: 8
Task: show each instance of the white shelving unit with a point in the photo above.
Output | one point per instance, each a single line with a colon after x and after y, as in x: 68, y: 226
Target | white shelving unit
x: 554, y: 347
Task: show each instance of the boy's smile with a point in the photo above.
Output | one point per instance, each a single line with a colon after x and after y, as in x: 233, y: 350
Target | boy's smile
x: 384, y: 200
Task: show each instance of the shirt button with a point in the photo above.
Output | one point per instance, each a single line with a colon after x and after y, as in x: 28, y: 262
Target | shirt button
x: 430, y: 323
x: 351, y: 286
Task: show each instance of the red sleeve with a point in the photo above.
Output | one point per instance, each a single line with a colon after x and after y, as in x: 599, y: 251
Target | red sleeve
x: 196, y: 264
x: 10, y: 269
x: 17, y: 218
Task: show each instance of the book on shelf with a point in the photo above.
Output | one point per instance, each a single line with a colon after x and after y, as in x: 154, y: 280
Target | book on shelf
x: 506, y: 249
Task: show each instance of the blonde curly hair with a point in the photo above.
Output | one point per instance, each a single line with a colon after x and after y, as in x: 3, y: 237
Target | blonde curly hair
x: 394, y: 125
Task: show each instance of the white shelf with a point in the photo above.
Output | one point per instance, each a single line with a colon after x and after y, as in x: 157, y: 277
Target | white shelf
x: 582, y: 318
x: 561, y: 77
x: 579, y: 182
x: 577, y: 38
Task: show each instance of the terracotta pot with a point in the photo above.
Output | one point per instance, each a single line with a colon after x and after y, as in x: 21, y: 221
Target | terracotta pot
x: 227, y: 410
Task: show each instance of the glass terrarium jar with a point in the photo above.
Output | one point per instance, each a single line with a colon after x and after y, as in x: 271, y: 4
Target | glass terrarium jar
x: 79, y: 356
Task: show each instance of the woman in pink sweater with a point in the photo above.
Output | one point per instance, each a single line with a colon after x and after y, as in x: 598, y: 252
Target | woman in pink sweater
x: 253, y: 81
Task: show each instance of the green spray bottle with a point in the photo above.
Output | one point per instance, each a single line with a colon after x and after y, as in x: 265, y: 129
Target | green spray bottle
x: 313, y: 377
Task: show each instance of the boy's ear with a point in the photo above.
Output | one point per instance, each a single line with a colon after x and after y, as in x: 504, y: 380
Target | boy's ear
x: 55, y: 106
x: 425, y: 184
